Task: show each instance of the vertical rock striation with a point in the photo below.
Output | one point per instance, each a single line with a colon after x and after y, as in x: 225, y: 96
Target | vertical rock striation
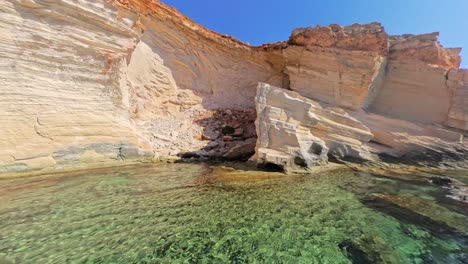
x: 415, y: 85
x: 457, y: 82
x: 336, y: 65
x: 403, y: 90
x: 62, y: 65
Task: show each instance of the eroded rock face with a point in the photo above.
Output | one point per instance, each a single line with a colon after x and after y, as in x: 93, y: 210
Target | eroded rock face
x: 424, y: 48
x: 97, y: 82
x: 297, y: 133
x: 414, y: 143
x: 91, y: 83
x: 457, y: 81
x: 370, y: 37
x: 343, y: 78
x: 61, y: 73
x: 334, y: 64
x: 415, y: 87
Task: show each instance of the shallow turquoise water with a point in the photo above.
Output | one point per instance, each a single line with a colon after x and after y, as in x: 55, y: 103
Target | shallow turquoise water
x: 185, y: 213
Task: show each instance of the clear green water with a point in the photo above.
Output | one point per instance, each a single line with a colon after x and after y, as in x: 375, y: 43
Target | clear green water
x: 199, y: 214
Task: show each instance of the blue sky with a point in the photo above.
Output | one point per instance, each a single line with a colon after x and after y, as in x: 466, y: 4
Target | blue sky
x: 262, y: 21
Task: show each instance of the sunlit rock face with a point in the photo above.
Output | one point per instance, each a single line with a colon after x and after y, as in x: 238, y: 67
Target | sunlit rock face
x: 62, y: 69
x: 415, y: 87
x: 336, y: 65
x: 179, y: 72
x: 297, y: 133
x: 414, y: 143
x: 457, y: 82
x: 100, y: 81
x: 92, y: 83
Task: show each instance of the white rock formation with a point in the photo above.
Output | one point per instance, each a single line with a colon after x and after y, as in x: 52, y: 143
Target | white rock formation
x: 101, y: 82
x: 61, y: 101
x: 297, y: 133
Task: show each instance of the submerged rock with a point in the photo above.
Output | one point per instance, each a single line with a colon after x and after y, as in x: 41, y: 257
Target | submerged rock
x: 355, y: 253
x: 441, y: 181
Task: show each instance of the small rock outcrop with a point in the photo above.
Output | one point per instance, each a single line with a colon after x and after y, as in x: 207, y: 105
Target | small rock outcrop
x: 297, y: 133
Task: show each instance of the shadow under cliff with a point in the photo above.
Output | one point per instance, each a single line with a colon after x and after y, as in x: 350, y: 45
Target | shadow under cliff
x: 229, y: 135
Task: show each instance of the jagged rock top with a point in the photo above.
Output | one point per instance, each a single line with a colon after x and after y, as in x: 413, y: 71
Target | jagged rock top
x: 426, y: 48
x: 150, y: 7
x: 369, y: 37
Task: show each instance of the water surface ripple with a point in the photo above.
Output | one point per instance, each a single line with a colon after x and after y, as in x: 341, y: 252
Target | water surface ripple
x: 188, y: 213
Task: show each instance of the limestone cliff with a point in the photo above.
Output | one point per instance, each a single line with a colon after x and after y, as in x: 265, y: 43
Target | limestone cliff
x: 62, y: 70
x: 296, y: 133
x: 92, y: 82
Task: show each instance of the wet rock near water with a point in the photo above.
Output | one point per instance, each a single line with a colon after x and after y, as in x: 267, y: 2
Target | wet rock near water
x: 460, y: 193
x: 457, y: 190
x: 355, y: 253
x: 441, y: 181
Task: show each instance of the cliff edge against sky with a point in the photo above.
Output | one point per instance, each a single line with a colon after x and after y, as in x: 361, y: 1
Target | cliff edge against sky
x: 96, y: 83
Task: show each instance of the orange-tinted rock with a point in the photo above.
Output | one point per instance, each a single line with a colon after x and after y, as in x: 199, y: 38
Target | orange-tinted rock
x: 425, y: 48
x: 155, y: 8
x: 369, y: 37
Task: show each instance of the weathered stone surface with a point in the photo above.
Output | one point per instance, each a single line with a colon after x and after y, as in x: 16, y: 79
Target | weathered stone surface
x: 242, y: 150
x: 370, y: 37
x: 424, y: 48
x: 412, y: 142
x: 457, y: 82
x: 414, y: 91
x: 132, y: 73
x: 334, y: 64
x: 61, y: 67
x: 103, y: 82
x: 210, y: 134
x: 340, y: 77
x: 415, y: 87
x: 297, y: 133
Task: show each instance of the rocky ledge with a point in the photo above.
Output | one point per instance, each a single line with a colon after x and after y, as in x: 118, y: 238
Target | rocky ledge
x: 296, y: 133
x: 101, y: 83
